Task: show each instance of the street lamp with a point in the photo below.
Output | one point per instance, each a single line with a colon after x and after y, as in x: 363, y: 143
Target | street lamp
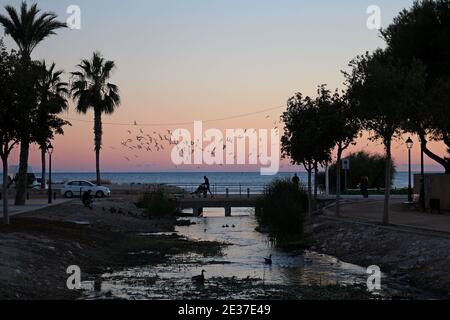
x: 409, y: 145
x: 50, y: 152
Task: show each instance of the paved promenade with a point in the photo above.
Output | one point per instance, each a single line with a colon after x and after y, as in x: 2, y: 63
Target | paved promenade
x: 32, y: 205
x: 371, y: 210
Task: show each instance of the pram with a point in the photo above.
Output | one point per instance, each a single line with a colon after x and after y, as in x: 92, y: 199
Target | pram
x: 201, y: 190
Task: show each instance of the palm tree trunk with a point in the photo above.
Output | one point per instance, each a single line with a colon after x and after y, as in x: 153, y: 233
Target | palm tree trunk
x: 22, y: 183
x: 98, y: 143
x: 338, y: 181
x: 43, y: 161
x: 5, y: 190
x: 387, y: 182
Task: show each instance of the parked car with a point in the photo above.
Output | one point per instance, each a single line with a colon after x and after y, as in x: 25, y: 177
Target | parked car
x: 78, y: 187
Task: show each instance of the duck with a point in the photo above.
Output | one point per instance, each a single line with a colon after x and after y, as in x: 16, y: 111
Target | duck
x: 200, y: 278
x: 268, y: 260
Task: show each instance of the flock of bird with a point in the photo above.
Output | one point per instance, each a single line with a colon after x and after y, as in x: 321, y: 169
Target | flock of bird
x: 138, y: 141
x: 146, y: 142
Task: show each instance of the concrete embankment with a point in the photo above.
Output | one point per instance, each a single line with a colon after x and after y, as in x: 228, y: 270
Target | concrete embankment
x: 419, y: 257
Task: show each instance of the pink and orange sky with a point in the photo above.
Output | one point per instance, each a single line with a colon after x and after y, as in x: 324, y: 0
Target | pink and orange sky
x: 180, y: 61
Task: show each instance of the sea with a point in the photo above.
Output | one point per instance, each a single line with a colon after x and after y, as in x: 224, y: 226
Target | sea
x: 239, y: 181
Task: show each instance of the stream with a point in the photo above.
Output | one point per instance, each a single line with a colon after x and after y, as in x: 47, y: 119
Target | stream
x: 240, y: 272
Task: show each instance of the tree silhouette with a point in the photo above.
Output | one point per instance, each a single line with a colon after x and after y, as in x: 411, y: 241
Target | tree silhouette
x: 422, y: 34
x: 91, y: 90
x: 306, y: 140
x: 382, y: 92
x: 53, y: 94
x: 9, y: 122
x: 28, y: 27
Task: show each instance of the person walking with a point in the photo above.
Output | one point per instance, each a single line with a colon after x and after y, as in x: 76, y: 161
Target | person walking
x: 364, y: 186
x: 296, y: 180
x: 208, y: 187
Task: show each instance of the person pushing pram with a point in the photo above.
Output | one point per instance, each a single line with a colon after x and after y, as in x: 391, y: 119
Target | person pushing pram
x: 203, y: 189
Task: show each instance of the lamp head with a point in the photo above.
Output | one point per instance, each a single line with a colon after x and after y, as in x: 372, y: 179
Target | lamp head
x: 409, y: 143
x: 50, y: 148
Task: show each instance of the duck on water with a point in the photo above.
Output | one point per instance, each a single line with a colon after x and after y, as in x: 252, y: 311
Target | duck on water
x: 199, y: 279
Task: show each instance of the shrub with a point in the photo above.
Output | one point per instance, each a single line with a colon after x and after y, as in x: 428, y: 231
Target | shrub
x: 157, y: 203
x: 282, y: 209
x: 362, y: 164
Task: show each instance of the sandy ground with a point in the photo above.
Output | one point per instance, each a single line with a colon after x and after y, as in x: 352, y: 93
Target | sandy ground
x: 37, y: 248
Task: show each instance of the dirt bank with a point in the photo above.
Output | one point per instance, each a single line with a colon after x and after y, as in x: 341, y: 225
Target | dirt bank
x: 420, y: 259
x: 37, y: 248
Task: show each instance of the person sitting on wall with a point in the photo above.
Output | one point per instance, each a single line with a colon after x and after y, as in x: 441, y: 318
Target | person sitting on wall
x: 87, y: 199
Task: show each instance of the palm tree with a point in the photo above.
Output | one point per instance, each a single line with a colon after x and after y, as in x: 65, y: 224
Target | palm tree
x: 91, y: 90
x: 53, y: 93
x: 28, y: 27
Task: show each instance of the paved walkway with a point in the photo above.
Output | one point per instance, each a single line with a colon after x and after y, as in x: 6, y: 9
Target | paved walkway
x: 32, y: 205
x: 371, y: 210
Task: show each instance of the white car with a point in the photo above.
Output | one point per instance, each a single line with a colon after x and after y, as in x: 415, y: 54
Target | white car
x: 78, y: 187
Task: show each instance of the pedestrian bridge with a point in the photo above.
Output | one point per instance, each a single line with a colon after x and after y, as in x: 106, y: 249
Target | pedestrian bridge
x: 199, y: 204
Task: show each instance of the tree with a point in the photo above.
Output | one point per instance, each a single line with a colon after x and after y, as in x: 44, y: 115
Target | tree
x: 27, y: 27
x: 421, y: 34
x: 305, y: 138
x: 52, y: 94
x: 91, y: 90
x: 342, y: 127
x: 362, y: 164
x: 382, y: 91
x: 9, y: 123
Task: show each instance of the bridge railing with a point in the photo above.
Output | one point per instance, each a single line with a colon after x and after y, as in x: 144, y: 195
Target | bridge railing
x: 225, y: 189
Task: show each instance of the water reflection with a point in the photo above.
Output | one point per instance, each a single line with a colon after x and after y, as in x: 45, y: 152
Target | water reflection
x: 245, y: 258
x: 242, y: 260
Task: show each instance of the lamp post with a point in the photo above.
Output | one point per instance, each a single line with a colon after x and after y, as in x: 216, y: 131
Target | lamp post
x: 50, y: 152
x: 409, y: 145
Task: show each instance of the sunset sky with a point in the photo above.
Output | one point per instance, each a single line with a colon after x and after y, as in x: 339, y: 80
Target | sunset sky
x: 185, y: 60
